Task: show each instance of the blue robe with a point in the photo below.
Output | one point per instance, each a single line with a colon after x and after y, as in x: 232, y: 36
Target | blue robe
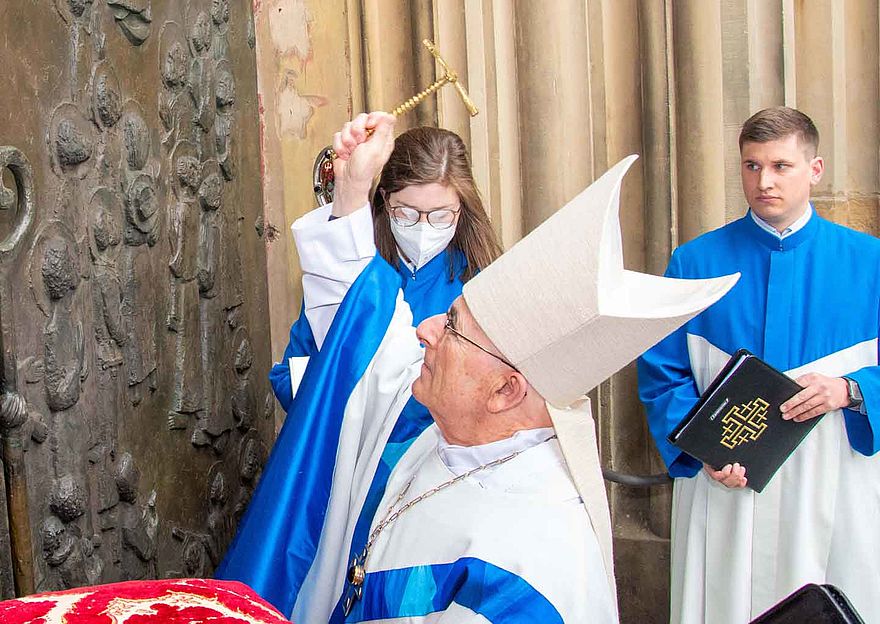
x: 278, y: 538
x: 807, y: 303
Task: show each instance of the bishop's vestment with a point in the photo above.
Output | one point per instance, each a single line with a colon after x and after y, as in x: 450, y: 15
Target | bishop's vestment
x: 499, y: 550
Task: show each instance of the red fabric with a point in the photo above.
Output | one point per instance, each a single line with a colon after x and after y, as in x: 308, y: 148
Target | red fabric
x: 13, y: 612
x: 177, y: 601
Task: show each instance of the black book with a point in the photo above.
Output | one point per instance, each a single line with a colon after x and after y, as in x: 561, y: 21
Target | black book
x: 738, y: 420
x: 816, y: 604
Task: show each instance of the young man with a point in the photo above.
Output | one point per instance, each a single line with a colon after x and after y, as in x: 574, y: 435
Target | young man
x: 808, y: 303
x: 497, y: 511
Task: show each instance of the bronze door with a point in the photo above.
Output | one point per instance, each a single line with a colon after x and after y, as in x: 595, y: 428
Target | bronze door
x: 136, y: 411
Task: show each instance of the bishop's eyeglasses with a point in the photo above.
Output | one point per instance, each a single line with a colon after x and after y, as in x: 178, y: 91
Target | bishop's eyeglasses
x: 449, y: 326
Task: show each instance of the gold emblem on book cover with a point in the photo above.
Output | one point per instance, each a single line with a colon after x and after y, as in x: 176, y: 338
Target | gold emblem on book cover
x: 744, y: 423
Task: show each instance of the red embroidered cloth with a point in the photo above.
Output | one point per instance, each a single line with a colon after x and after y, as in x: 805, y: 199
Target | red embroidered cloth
x: 176, y: 601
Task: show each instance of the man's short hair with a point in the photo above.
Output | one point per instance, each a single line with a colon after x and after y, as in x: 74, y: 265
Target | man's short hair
x: 779, y: 122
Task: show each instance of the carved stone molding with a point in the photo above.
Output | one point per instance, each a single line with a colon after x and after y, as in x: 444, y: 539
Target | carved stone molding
x: 21, y: 199
x: 134, y: 18
x: 71, y: 141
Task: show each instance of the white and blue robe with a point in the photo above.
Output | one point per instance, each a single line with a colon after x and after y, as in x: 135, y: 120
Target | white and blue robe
x: 510, y: 544
x: 316, y: 501
x: 808, y: 302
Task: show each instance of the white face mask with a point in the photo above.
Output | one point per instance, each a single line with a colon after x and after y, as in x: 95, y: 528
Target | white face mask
x: 420, y: 243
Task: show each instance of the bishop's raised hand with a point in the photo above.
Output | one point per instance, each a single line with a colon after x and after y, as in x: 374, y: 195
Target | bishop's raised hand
x: 362, y: 147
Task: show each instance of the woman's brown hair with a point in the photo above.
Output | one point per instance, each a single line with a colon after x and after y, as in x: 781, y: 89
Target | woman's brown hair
x: 422, y: 156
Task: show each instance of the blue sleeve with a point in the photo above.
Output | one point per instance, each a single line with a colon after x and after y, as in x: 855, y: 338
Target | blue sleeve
x: 301, y: 343
x: 668, y: 391
x: 863, y: 430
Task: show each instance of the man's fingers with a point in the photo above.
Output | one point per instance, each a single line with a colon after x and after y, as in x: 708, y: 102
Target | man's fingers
x: 737, y: 477
x: 382, y: 124
x: 718, y: 475
x: 819, y: 402
x: 731, y: 475
x: 374, y: 117
x: 739, y: 482
x: 361, y: 129
x: 821, y: 395
x: 813, y: 413
x: 799, y: 408
x: 377, y: 118
x: 348, y: 140
x: 800, y: 397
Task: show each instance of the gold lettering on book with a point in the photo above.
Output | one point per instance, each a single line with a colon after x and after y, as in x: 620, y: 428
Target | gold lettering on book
x: 744, y: 423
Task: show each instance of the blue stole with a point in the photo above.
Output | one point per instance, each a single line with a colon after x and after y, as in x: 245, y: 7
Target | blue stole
x: 498, y: 595
x: 278, y: 536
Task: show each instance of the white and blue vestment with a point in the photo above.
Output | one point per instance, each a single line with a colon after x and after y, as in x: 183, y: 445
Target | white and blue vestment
x: 488, y: 551
x: 808, y: 302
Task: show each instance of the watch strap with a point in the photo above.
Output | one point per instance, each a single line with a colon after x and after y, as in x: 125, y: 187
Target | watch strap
x: 854, y: 393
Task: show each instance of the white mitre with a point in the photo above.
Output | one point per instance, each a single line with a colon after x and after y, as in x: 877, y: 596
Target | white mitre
x: 561, y: 308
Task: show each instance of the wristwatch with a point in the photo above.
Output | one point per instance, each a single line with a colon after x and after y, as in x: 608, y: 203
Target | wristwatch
x: 853, y: 393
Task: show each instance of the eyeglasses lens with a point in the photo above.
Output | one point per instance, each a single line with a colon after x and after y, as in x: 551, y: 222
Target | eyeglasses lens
x: 406, y: 216
x: 441, y: 219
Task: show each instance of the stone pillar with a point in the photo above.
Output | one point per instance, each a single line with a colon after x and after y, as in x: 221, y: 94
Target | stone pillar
x: 390, y: 53
x: 699, y: 116
x: 661, y: 217
x: 495, y: 132
x: 451, y: 35
x: 837, y: 85
x: 553, y: 72
x: 658, y: 97
x: 751, y: 49
x: 310, y: 81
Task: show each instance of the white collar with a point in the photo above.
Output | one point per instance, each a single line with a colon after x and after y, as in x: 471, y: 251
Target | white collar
x: 460, y: 459
x: 791, y: 229
x: 409, y: 265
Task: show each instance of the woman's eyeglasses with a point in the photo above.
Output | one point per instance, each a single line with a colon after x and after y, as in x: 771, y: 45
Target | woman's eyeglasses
x: 407, y: 216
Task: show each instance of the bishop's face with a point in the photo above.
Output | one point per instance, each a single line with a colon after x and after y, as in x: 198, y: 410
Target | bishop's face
x: 457, y: 377
x: 777, y: 177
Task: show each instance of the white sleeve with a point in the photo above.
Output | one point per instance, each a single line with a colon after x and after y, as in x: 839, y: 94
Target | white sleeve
x: 332, y: 254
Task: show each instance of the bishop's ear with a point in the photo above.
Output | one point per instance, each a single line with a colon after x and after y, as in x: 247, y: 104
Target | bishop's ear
x: 510, y: 391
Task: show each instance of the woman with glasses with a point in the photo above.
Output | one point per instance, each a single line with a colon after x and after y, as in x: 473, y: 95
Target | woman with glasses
x: 429, y: 219
x: 430, y: 225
